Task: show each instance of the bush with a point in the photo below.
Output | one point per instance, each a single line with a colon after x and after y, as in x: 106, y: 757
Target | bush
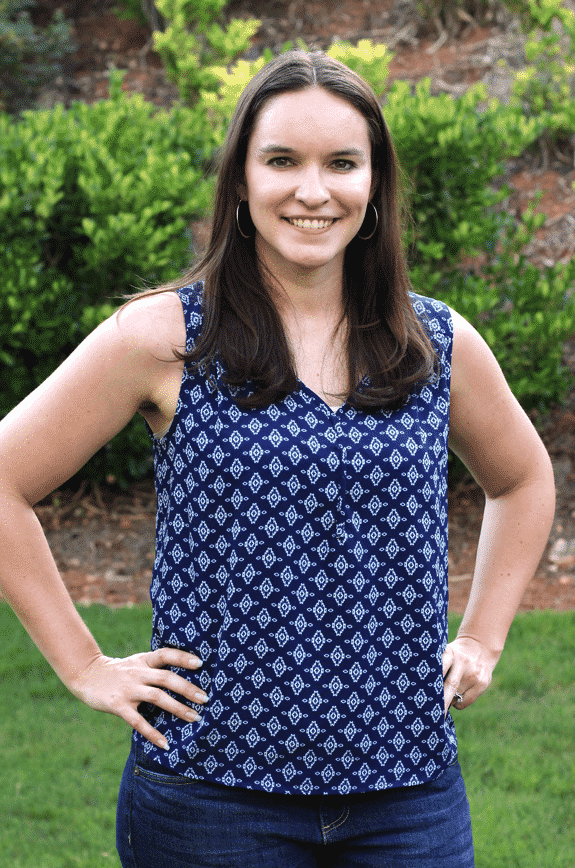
x: 452, y: 152
x: 369, y: 60
x: 92, y: 201
x: 525, y: 315
x: 546, y: 87
x: 194, y: 42
x: 29, y: 55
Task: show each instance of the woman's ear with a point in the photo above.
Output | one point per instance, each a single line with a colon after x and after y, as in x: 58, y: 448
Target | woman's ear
x: 242, y: 191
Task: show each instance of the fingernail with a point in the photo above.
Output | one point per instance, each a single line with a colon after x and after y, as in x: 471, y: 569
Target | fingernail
x: 164, y: 744
x: 195, y: 661
x: 192, y: 715
x: 200, y: 697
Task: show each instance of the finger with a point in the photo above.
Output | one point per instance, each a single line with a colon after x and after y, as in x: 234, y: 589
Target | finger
x: 451, y: 686
x: 448, y: 659
x: 449, y: 699
x: 171, y: 681
x: 457, y: 701
x: 137, y: 722
x: 163, y: 700
x: 172, y: 657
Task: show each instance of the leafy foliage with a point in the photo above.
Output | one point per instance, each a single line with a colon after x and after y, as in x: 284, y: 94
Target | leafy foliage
x: 367, y: 59
x: 451, y: 150
x: 92, y: 201
x: 96, y: 199
x: 546, y: 87
x: 525, y: 315
x: 194, y: 42
x: 29, y: 55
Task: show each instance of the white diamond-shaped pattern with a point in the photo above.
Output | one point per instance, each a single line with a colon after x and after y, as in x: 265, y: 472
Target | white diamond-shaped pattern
x: 302, y: 554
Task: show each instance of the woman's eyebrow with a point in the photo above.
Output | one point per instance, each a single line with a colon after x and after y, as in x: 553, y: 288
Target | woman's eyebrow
x: 284, y: 149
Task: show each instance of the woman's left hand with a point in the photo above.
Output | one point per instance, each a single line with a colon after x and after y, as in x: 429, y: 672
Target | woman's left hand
x: 467, y: 670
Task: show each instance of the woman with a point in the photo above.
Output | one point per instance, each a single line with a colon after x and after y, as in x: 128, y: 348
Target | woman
x: 294, y: 708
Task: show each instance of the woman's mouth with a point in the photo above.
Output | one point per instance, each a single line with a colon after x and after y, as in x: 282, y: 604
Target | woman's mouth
x: 310, y: 223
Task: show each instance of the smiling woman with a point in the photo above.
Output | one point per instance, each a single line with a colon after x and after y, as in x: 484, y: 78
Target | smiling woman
x: 308, y: 195
x: 308, y: 142
x: 295, y: 706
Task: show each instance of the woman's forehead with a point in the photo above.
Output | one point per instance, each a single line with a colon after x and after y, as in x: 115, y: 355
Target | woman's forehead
x: 310, y: 117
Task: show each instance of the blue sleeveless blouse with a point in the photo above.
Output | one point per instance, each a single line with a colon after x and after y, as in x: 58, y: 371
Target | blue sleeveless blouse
x: 301, y: 553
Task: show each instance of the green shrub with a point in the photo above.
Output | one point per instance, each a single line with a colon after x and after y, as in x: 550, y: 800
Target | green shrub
x: 535, y: 13
x: 546, y: 87
x: 29, y: 55
x: 452, y: 150
x: 525, y: 314
x: 369, y: 60
x: 194, y: 42
x: 92, y: 201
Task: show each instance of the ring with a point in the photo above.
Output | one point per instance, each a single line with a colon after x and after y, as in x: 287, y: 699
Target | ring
x: 458, y: 697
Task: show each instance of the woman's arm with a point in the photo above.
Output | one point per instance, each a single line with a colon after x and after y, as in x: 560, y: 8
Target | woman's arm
x: 492, y: 435
x: 122, y: 365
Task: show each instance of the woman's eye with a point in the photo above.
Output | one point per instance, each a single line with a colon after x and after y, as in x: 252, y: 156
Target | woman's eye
x: 279, y: 162
x: 343, y: 164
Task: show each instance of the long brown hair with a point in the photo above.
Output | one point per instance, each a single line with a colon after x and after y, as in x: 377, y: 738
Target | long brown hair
x: 242, y: 330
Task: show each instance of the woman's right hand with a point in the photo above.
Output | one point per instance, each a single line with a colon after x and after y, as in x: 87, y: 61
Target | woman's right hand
x: 118, y: 685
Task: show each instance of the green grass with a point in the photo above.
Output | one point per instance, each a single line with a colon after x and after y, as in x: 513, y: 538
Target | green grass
x: 517, y: 749
x: 61, y: 762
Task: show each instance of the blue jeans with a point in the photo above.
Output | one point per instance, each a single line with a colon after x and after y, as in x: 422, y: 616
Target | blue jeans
x: 169, y: 821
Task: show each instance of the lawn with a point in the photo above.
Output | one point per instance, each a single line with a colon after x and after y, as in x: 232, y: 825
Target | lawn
x: 62, y: 762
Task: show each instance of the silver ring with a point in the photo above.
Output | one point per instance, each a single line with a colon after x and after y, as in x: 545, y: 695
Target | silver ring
x: 458, y: 697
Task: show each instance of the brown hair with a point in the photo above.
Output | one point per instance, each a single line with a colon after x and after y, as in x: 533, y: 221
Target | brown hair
x: 242, y: 329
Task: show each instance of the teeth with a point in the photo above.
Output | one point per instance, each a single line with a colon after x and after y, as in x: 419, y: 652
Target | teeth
x: 311, y: 224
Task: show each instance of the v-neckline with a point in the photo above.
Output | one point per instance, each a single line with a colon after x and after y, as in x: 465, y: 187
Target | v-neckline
x: 310, y: 391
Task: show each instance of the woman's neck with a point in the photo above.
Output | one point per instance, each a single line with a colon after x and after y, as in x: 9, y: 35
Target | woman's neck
x: 312, y: 315
x: 306, y: 293
x: 311, y: 303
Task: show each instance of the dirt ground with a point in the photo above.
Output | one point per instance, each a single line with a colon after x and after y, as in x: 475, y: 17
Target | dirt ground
x: 103, y: 541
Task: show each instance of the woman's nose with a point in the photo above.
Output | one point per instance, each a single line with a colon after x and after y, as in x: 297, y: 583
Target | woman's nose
x: 312, y: 190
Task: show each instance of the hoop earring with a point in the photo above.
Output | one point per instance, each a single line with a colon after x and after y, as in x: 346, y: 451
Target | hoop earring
x: 367, y: 237
x: 238, y: 220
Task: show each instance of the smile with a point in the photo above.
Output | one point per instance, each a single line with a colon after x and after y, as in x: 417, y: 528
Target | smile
x: 310, y: 224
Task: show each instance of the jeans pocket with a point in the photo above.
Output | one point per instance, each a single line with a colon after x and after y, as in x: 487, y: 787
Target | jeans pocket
x: 160, y: 775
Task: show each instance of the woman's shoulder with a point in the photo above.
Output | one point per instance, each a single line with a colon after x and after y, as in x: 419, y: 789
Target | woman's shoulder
x: 153, y: 321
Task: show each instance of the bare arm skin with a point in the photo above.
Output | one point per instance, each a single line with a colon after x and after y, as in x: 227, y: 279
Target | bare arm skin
x: 492, y: 435
x: 124, y: 365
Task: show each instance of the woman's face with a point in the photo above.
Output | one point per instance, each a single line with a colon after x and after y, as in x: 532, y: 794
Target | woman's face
x: 307, y: 180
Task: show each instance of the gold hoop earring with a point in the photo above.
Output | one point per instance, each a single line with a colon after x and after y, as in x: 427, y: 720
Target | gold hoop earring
x: 367, y: 237
x: 238, y: 219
